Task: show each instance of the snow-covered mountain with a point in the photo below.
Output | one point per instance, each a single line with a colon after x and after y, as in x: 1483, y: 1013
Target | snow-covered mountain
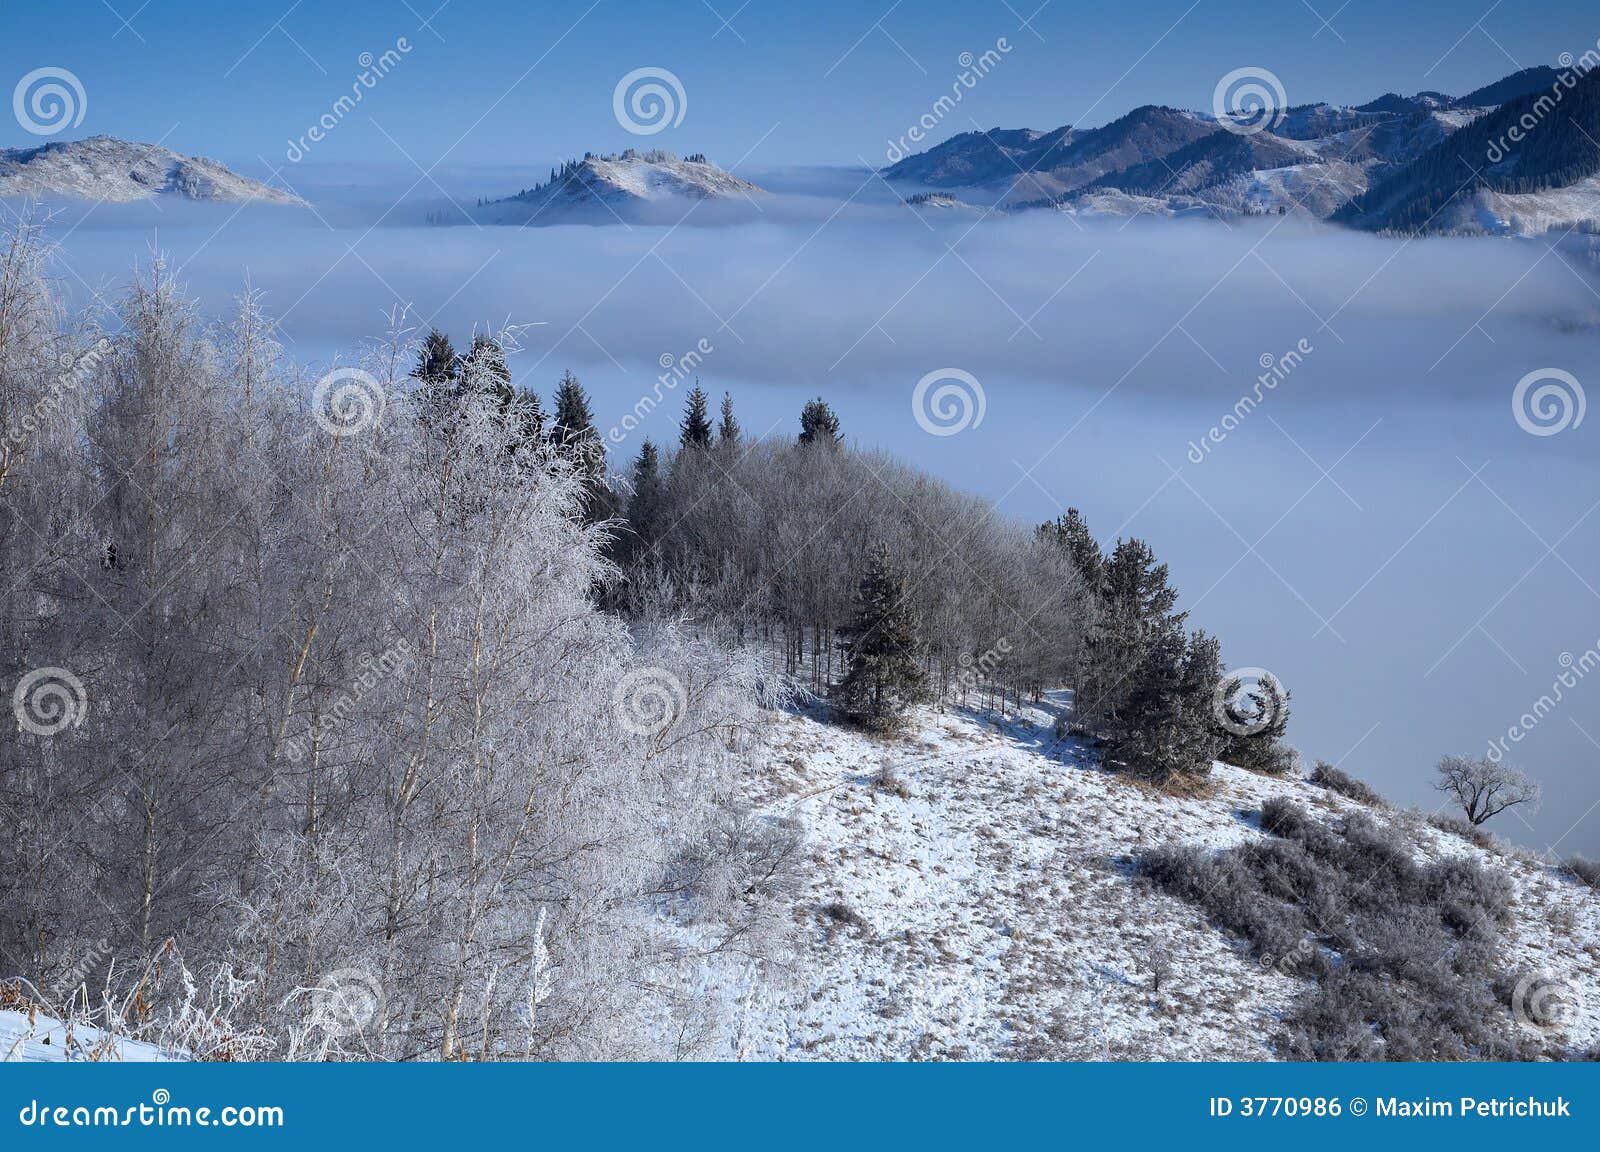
x: 1320, y: 160
x: 117, y: 171
x: 598, y: 189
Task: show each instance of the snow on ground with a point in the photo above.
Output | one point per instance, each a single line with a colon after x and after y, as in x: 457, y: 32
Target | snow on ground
x: 37, y: 1037
x: 1533, y: 213
x: 989, y: 911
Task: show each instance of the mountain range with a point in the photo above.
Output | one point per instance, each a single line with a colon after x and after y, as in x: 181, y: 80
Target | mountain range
x: 1520, y: 155
x: 1428, y: 162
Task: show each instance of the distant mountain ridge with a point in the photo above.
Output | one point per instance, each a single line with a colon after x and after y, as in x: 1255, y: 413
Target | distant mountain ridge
x: 107, y: 169
x: 1382, y: 164
x: 1541, y: 140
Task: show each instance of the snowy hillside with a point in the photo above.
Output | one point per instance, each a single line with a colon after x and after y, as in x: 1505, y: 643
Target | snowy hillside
x: 980, y: 904
x: 116, y: 171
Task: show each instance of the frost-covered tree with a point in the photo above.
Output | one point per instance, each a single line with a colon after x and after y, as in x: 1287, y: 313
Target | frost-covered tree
x: 1484, y: 788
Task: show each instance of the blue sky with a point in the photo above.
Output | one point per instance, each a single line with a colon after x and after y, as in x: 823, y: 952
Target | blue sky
x: 826, y: 82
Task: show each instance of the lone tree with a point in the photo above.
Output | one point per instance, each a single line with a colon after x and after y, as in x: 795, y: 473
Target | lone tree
x: 882, y: 676
x: 819, y: 424
x: 1483, y: 787
x: 695, y: 430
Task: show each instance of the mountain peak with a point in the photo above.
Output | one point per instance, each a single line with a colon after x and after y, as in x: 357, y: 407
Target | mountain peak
x: 622, y: 182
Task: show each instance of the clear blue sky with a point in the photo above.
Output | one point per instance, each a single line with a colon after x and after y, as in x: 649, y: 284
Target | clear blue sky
x: 238, y: 80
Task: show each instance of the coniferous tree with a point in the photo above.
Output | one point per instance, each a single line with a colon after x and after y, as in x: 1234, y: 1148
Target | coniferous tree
x: 728, y: 427
x: 883, y: 675
x: 819, y: 424
x: 574, y: 436
x: 437, y: 362
x: 1071, y: 534
x: 1135, y: 603
x: 1166, y: 730
x: 695, y: 429
x: 649, y: 496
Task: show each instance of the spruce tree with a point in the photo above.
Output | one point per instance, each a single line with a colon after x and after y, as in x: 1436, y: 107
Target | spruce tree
x: 1071, y: 534
x: 882, y: 674
x: 574, y: 436
x: 819, y: 424
x: 437, y: 362
x: 1165, y: 731
x: 695, y: 429
x: 649, y: 496
x: 728, y: 428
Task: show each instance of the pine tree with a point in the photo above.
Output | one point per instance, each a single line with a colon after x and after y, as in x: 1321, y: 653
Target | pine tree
x: 574, y: 436
x: 1071, y: 534
x: 649, y: 496
x: 437, y: 362
x: 819, y: 424
x: 1135, y: 602
x: 883, y: 676
x: 695, y: 429
x: 1166, y: 730
x: 573, y: 420
x: 728, y: 429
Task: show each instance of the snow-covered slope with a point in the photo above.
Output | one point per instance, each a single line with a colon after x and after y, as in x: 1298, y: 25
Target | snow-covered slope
x: 116, y: 171
x: 615, y: 187
x: 984, y: 908
x: 34, y: 1037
